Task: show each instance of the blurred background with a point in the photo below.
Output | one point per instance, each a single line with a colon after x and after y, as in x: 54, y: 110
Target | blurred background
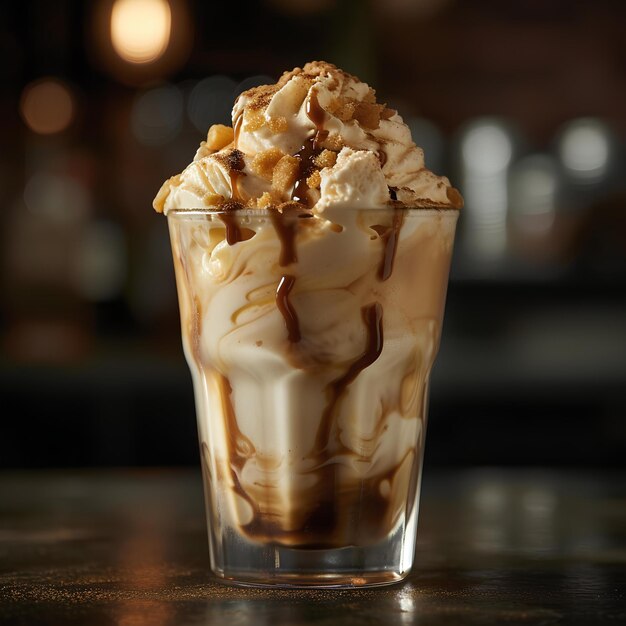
x: 522, y: 103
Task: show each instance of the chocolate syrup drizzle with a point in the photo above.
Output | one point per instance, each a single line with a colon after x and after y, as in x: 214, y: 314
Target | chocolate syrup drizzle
x: 373, y: 318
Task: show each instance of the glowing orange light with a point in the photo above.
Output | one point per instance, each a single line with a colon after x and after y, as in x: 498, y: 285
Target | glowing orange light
x: 140, y: 29
x: 46, y: 106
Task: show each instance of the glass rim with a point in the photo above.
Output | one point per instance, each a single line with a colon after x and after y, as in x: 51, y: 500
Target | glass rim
x: 251, y: 212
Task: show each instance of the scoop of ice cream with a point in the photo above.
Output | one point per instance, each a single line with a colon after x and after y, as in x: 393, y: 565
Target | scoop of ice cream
x: 319, y: 137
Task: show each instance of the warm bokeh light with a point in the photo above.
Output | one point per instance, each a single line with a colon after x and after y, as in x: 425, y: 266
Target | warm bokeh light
x: 140, y: 29
x: 46, y: 106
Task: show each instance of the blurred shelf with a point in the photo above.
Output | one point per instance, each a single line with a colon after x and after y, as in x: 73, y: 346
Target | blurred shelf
x: 528, y: 372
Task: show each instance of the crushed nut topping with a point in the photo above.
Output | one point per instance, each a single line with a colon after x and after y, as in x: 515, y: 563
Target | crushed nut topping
x: 213, y: 199
x: 285, y: 174
x: 314, y: 180
x: 326, y: 158
x: 264, y: 162
x: 259, y: 97
x: 253, y: 120
x: 265, y: 201
x: 345, y: 110
x: 235, y: 160
x: 267, y: 178
x: 332, y: 142
x: 368, y: 115
x: 278, y: 124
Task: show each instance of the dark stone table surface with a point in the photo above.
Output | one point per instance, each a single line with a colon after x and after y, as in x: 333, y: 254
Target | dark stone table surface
x: 495, y: 547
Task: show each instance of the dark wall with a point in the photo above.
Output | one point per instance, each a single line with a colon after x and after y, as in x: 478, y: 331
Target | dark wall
x: 521, y: 103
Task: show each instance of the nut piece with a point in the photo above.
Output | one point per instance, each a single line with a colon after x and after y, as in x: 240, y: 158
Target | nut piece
x: 264, y: 162
x: 314, y: 180
x: 387, y: 113
x: 285, y: 174
x: 218, y: 137
x: 277, y: 124
x: 326, y: 158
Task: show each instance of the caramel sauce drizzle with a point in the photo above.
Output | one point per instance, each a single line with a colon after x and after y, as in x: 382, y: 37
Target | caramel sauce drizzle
x: 234, y: 184
x: 285, y: 224
x: 317, y: 115
x: 228, y: 216
x: 286, y: 309
x: 235, y: 164
x: 240, y: 448
x: 326, y: 524
x: 310, y: 149
x: 305, y: 155
x: 390, y: 240
x: 237, y: 128
x: 373, y: 319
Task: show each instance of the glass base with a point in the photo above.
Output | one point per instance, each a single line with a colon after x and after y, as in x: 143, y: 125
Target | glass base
x: 241, y: 562
x: 314, y: 581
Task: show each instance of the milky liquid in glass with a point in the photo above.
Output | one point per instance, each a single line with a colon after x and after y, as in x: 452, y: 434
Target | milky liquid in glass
x: 310, y: 342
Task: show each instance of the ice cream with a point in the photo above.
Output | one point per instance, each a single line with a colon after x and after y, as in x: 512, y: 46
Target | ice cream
x: 312, y: 249
x: 317, y: 136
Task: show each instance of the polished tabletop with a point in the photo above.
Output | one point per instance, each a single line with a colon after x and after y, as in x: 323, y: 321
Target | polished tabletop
x: 495, y: 547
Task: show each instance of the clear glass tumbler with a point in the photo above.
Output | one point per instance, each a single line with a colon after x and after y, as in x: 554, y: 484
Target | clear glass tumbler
x: 310, y: 340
